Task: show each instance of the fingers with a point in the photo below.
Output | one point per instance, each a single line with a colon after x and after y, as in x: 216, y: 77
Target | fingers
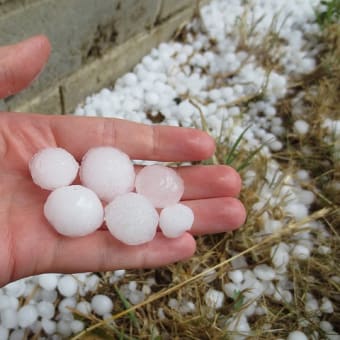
x: 21, y: 63
x: 101, y: 252
x: 201, y: 181
x: 139, y: 141
x: 216, y: 215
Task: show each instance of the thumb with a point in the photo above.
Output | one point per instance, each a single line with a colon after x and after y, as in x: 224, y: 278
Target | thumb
x: 21, y: 63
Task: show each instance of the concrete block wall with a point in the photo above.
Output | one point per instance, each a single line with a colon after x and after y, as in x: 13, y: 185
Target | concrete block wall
x: 93, y: 43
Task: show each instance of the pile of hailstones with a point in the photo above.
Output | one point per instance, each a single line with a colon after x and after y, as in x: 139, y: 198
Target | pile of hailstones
x: 107, y: 175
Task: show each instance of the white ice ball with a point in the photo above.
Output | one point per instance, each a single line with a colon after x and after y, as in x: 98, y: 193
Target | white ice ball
x: 84, y: 307
x: 132, y: 219
x: 27, y: 315
x: 17, y: 334
x: 48, y: 326
x: 101, y: 304
x: 45, y: 309
x: 48, y: 281
x: 108, y: 172
x: 74, y: 210
x: 301, y: 127
x: 160, y: 184
x: 67, y: 285
x: 214, y: 298
x: 52, y: 168
x: 297, y: 335
x: 4, y: 332
x: 77, y: 326
x: 175, y: 220
x: 16, y: 288
x: 9, y: 318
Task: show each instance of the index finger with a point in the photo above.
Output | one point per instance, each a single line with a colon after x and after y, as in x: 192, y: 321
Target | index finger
x: 139, y: 141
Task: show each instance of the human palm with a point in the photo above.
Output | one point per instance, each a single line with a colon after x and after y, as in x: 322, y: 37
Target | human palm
x: 29, y: 245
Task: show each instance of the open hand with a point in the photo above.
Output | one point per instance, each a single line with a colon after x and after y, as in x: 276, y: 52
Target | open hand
x: 29, y: 245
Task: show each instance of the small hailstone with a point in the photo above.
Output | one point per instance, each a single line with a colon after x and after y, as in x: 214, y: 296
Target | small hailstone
x: 231, y: 289
x: 107, y: 171
x: 4, y: 302
x: 151, y: 98
x: 326, y: 306
x: 18, y: 334
x: 301, y: 252
x: 326, y: 326
x: 275, y: 145
x: 84, y: 307
x: 65, y: 304
x: 4, y: 332
x: 173, y: 303
x: 74, y: 210
x: 146, y: 289
x: 160, y: 184
x: 301, y: 127
x: 52, y: 168
x: 16, y: 288
x: 48, y: 295
x: 48, y: 281
x: 27, y: 315
x: 324, y: 250
x: 45, y: 309
x: 77, y: 326
x: 136, y: 297
x: 132, y: 286
x: 214, y: 298
x: 175, y: 220
x: 161, y: 314
x: 67, y: 286
x: 48, y: 326
x: 91, y: 284
x: 296, y: 210
x: 297, y: 335
x: 9, y: 318
x: 64, y: 328
x: 101, y: 304
x: 119, y: 273
x: 239, y: 324
x: 236, y: 276
x: 132, y: 219
x: 311, y: 305
x: 302, y: 175
x: 306, y: 197
x: 279, y: 255
x: 264, y: 272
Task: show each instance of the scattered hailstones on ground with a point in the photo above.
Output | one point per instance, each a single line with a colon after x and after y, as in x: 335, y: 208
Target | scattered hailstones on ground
x: 108, y: 174
x: 212, y: 72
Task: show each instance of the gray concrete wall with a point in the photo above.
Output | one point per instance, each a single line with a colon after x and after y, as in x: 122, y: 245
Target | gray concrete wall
x: 89, y: 37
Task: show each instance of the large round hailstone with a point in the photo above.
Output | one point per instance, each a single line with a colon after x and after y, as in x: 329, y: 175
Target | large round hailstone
x: 175, y: 220
x: 132, y: 219
x: 52, y: 168
x: 74, y: 210
x: 108, y: 172
x: 160, y: 184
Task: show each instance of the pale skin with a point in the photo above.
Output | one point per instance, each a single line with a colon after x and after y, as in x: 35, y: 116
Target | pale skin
x: 29, y: 245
